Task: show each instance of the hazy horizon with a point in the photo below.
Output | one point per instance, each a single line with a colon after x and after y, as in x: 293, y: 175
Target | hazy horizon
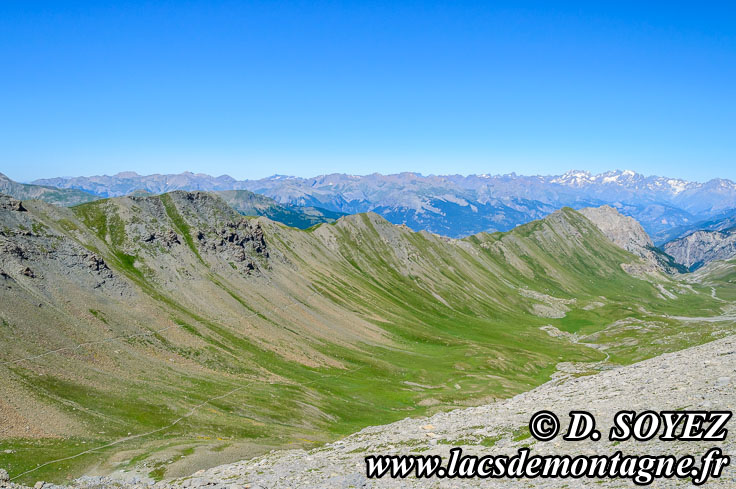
x: 308, y: 176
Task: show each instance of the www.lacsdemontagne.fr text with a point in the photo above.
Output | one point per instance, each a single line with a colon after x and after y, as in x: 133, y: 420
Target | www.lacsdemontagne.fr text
x: 641, y: 469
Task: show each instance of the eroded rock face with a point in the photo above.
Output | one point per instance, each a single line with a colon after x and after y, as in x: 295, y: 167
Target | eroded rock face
x: 624, y: 231
x: 627, y: 233
x: 702, y: 247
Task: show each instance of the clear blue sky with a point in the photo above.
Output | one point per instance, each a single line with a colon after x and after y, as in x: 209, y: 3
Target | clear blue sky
x: 257, y: 88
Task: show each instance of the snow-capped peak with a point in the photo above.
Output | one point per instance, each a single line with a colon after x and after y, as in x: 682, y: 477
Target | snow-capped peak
x: 573, y: 177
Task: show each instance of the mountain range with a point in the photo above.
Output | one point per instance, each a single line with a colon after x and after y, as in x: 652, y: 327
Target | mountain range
x: 455, y: 205
x: 671, y: 210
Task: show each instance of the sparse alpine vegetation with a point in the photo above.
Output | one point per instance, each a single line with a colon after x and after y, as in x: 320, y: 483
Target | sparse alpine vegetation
x: 167, y: 333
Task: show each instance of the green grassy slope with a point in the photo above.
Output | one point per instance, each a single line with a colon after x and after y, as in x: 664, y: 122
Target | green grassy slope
x: 318, y: 334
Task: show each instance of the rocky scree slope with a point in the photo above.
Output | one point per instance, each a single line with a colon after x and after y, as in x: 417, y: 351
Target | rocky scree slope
x: 162, y: 334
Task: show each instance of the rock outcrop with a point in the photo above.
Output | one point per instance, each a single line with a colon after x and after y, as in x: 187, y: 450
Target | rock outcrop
x: 241, y: 241
x: 8, y: 203
x: 624, y: 231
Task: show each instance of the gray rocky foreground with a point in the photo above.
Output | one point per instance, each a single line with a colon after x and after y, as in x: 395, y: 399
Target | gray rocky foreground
x: 699, y: 378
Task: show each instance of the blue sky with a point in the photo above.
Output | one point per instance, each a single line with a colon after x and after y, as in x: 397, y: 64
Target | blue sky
x: 256, y: 88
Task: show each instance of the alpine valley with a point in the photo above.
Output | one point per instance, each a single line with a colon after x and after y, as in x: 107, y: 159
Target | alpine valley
x: 162, y: 334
